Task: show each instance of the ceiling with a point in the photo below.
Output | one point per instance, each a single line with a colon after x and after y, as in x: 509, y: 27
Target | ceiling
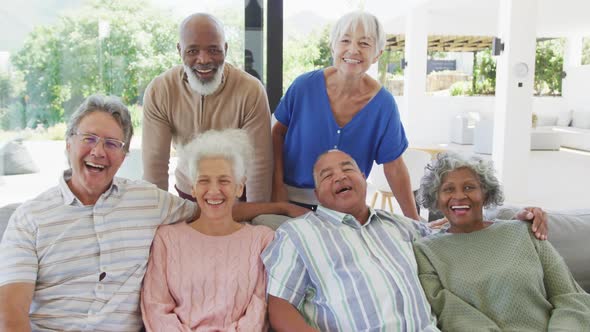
x: 444, y: 43
x: 554, y: 18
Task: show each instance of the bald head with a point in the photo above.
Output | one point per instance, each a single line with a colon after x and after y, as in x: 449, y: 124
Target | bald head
x: 200, y: 23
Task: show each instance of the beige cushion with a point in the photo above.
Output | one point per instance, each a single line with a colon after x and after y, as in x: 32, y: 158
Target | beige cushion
x: 271, y: 220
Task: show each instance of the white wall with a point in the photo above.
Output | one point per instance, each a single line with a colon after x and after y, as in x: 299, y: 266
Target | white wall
x: 435, y: 115
x: 436, y: 112
x: 576, y: 88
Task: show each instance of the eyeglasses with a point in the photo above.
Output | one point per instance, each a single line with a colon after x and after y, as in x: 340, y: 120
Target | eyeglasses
x: 91, y: 140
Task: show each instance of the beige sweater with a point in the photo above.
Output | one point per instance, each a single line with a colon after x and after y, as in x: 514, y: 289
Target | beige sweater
x: 174, y: 112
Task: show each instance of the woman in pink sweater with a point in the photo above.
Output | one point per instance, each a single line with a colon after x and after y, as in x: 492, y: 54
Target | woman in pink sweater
x: 207, y: 275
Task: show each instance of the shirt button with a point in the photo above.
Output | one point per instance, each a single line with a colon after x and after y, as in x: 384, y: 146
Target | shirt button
x: 335, y: 146
x: 338, y: 131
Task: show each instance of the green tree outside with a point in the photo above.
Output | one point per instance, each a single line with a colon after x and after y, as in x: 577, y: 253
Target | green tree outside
x: 65, y: 62
x: 586, y: 51
x: 549, y: 67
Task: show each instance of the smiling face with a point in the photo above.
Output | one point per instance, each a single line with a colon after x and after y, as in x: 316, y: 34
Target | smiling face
x: 340, y: 185
x: 461, y: 200
x: 354, y: 52
x: 202, y: 48
x: 216, y: 188
x: 93, y: 166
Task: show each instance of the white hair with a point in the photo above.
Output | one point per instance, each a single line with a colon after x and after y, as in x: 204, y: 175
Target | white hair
x: 232, y: 145
x: 349, y: 23
x: 202, y: 87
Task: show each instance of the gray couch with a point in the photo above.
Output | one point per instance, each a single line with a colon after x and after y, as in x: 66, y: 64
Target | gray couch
x: 569, y: 232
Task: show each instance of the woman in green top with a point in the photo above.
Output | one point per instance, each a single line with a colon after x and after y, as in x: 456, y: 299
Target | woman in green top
x: 490, y: 276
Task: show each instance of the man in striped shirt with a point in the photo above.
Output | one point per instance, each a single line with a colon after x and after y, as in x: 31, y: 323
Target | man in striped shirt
x: 346, y: 267
x: 73, y: 258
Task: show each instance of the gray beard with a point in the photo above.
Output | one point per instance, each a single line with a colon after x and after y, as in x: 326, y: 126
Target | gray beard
x: 204, y: 88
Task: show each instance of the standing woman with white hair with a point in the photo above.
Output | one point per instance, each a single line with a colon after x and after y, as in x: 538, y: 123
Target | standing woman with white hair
x: 341, y: 107
x: 207, y: 274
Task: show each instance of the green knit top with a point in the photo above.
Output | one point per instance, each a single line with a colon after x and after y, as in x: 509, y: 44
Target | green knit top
x: 500, y: 278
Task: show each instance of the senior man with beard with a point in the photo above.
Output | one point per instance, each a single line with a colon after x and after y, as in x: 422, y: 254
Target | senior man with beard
x: 204, y: 93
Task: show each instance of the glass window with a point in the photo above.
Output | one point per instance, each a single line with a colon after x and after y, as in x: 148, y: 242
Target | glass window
x: 586, y: 51
x: 548, y: 67
x: 56, y: 54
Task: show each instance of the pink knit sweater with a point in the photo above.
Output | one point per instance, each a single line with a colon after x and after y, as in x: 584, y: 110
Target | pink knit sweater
x: 196, y: 282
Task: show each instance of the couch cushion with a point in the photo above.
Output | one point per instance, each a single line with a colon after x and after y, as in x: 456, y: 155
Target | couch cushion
x: 569, y: 232
x: 15, y: 159
x: 5, y: 213
x: 270, y: 220
x: 581, y: 119
x: 564, y: 119
x: 546, y: 120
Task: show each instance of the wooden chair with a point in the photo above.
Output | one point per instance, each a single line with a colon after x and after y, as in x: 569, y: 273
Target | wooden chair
x: 415, y: 161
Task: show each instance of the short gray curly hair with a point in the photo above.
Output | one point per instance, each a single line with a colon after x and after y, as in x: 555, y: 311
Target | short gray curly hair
x: 450, y: 161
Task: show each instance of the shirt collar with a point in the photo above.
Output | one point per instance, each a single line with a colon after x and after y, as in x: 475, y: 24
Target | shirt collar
x: 344, y: 218
x: 71, y: 199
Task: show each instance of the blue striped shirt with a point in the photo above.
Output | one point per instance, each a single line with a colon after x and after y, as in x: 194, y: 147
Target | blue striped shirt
x: 344, y: 276
x: 64, y: 247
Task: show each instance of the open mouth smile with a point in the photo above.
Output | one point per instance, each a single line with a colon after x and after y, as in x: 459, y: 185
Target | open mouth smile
x: 343, y: 189
x: 351, y: 61
x: 94, y: 167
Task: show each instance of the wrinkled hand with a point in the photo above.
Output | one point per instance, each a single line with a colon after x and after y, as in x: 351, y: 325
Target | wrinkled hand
x: 538, y: 217
x: 437, y: 224
x: 293, y: 210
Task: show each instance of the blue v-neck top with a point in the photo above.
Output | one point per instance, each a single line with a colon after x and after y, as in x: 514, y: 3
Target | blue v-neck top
x: 375, y: 133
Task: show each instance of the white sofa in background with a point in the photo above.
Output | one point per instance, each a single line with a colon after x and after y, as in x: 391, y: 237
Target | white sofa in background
x: 569, y: 129
x: 573, y: 128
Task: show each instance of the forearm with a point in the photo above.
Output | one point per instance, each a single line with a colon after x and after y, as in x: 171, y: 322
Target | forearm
x: 398, y: 178
x: 12, y: 321
x: 283, y: 316
x: 15, y: 301
x: 254, y: 317
x: 259, y: 184
x: 247, y: 211
x: 155, y: 141
x: 155, y: 147
x: 278, y: 185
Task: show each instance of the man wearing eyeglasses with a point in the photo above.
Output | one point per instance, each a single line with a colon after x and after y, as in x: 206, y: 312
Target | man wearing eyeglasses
x: 204, y: 93
x: 73, y: 258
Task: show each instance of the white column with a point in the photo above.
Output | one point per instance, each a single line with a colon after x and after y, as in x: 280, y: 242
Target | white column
x: 415, y: 72
x: 573, y: 51
x: 572, y: 58
x: 514, y: 90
